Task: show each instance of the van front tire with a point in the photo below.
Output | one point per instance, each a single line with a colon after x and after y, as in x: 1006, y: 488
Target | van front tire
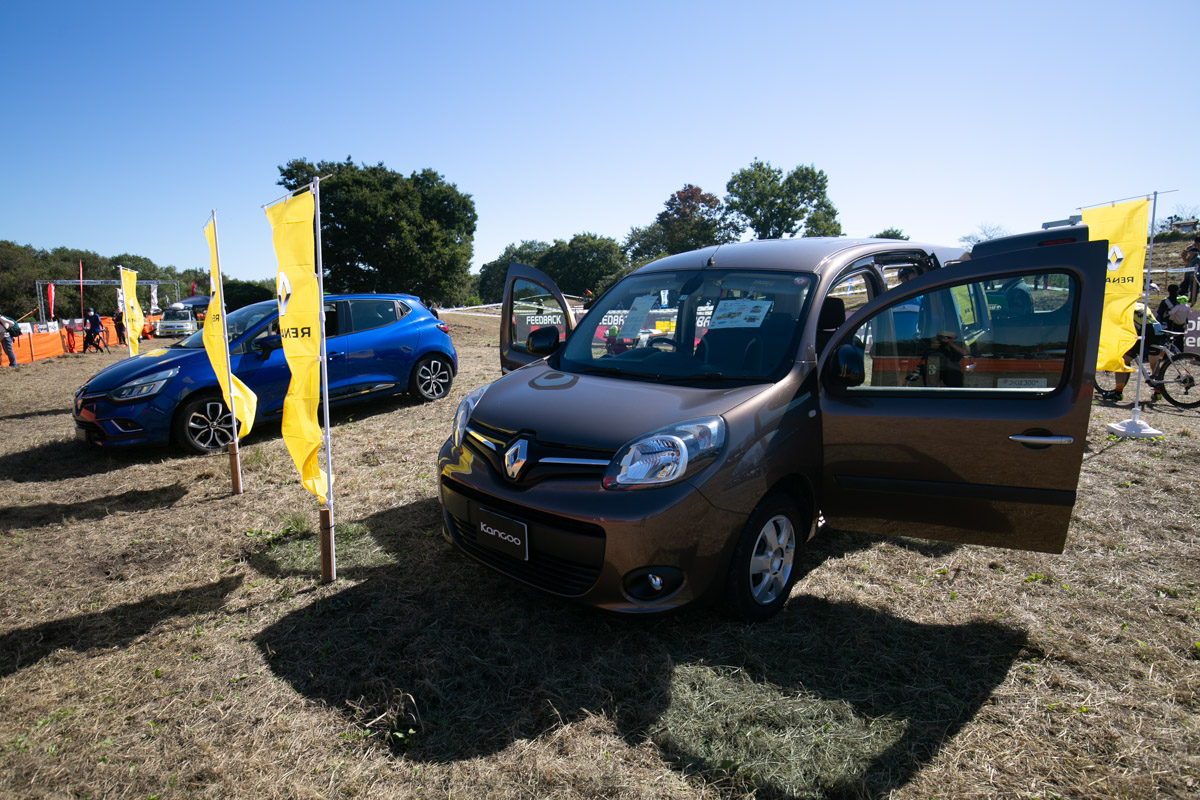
x: 763, y: 568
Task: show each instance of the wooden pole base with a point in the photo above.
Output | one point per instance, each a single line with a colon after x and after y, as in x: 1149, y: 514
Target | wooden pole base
x: 235, y: 466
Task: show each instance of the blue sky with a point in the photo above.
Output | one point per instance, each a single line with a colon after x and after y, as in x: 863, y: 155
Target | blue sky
x: 126, y: 123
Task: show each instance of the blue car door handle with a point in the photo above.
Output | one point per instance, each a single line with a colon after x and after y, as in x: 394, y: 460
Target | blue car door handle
x: 332, y: 356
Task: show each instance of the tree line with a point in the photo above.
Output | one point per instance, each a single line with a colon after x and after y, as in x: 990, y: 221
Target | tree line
x: 21, y: 266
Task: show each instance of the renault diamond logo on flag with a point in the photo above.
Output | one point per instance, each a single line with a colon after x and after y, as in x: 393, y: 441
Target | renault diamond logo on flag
x: 514, y: 458
x: 283, y: 292
x: 1115, y: 257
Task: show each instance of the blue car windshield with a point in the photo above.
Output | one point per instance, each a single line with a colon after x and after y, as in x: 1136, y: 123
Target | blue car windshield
x: 693, y: 326
x: 236, y: 322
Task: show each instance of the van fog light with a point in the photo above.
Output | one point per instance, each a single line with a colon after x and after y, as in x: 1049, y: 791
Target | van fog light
x: 652, y: 583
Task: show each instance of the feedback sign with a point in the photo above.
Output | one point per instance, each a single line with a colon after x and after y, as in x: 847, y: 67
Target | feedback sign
x: 1191, y: 336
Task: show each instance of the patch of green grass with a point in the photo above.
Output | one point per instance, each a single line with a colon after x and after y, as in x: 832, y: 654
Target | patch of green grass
x: 747, y: 735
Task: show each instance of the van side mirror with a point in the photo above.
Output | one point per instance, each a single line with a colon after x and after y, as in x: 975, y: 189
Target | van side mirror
x: 847, y: 367
x: 543, y: 341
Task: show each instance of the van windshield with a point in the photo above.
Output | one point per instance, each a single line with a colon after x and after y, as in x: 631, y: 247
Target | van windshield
x: 176, y: 315
x: 693, y: 326
x: 236, y: 322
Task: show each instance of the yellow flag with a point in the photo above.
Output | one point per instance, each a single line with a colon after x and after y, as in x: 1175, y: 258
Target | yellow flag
x: 299, y: 299
x: 1124, y: 226
x: 245, y: 402
x: 134, y: 319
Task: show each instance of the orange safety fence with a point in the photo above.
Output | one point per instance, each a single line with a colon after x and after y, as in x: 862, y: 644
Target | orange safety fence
x: 37, y: 346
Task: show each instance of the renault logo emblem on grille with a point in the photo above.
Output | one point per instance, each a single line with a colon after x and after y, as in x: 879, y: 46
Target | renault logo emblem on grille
x: 514, y: 458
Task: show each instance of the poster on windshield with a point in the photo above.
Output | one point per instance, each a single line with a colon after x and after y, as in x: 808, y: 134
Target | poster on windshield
x: 739, y: 314
x: 636, y: 318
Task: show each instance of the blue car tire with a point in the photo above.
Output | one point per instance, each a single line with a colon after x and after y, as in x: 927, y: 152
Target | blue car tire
x: 204, y: 425
x: 431, y: 378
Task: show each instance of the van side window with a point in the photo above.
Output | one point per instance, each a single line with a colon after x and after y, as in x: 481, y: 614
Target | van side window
x: 533, y: 307
x: 845, y: 297
x: 1006, y: 335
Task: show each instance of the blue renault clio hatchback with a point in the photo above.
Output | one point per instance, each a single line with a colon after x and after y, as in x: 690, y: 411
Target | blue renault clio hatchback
x: 376, y: 345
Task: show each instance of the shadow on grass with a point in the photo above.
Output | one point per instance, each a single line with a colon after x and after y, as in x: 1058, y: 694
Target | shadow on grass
x: 67, y: 459
x: 36, y: 514
x: 47, y: 412
x: 447, y: 660
x: 115, y: 627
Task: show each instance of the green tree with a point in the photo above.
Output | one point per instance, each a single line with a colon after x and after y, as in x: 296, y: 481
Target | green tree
x: 643, y: 245
x: 822, y: 220
x: 384, y: 232
x: 584, y: 263
x: 693, y: 218
x: 240, y: 293
x: 491, y: 274
x: 771, y: 205
x: 891, y: 233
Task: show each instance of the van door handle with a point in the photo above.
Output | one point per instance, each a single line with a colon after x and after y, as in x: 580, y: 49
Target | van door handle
x: 1041, y: 440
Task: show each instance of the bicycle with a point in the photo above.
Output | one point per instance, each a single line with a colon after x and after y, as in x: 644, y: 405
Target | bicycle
x: 97, y: 340
x: 1177, y: 375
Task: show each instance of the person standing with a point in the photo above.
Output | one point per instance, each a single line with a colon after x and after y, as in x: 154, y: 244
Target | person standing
x: 91, y: 331
x: 1190, y: 285
x: 7, y: 326
x: 119, y: 324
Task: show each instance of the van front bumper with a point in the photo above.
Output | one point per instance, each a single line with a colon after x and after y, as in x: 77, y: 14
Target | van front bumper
x: 588, y: 543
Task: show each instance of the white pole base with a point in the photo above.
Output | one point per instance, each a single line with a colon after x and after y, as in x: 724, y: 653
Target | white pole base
x: 1133, y: 428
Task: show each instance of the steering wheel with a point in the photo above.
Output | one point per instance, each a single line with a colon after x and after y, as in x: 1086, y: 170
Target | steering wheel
x: 663, y: 340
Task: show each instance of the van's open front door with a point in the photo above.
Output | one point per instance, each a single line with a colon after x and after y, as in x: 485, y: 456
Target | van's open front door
x: 531, y: 301
x: 972, y: 429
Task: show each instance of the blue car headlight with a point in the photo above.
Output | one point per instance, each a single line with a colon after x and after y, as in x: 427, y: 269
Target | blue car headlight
x: 667, y: 455
x: 145, y: 386
x: 463, y: 415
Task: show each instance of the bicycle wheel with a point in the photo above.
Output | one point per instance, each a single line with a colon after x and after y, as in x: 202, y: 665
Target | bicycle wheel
x: 1105, y: 381
x: 1180, y: 376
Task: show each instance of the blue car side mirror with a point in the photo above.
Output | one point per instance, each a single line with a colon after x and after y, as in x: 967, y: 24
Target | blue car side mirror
x: 266, y: 344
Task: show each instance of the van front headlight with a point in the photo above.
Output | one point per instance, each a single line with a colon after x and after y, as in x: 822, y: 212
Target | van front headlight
x: 463, y: 415
x: 667, y: 455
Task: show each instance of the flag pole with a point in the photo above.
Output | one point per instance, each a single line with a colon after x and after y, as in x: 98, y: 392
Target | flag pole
x: 1134, y: 427
x: 328, y: 554
x: 1137, y: 389
x: 235, y: 455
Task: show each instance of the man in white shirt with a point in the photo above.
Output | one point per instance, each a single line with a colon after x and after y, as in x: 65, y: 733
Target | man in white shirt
x: 7, y: 326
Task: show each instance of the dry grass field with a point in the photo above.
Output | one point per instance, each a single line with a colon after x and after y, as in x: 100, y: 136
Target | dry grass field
x: 160, y: 638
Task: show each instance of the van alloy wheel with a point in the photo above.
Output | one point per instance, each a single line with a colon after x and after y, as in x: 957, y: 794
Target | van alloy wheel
x: 771, y: 564
x: 763, y: 568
